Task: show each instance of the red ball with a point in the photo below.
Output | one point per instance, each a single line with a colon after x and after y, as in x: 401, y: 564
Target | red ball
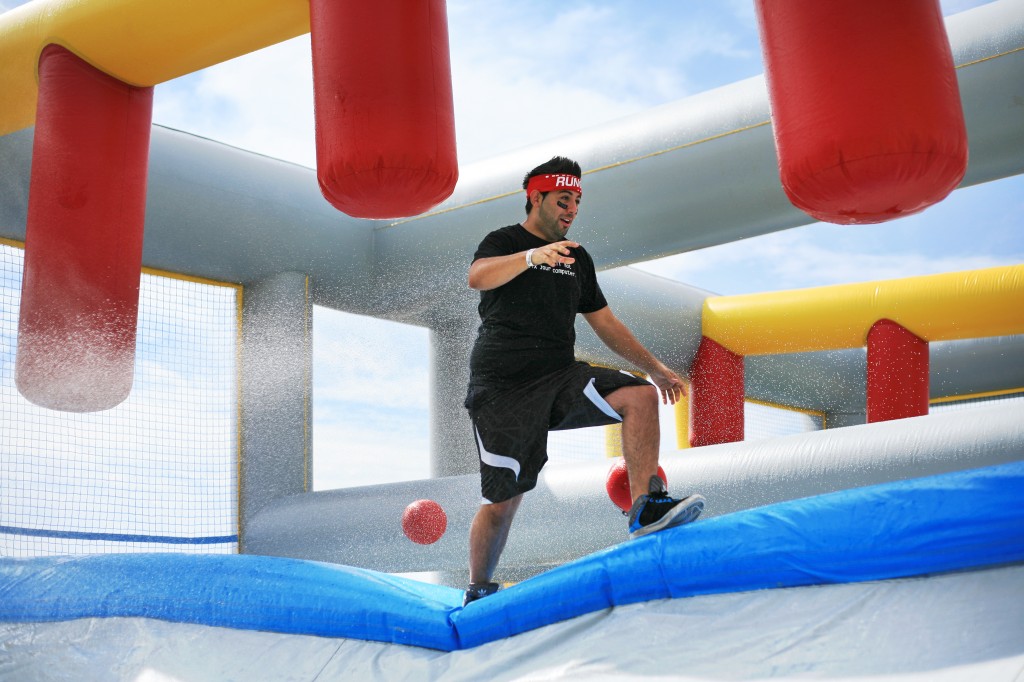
x: 617, y: 484
x: 424, y: 522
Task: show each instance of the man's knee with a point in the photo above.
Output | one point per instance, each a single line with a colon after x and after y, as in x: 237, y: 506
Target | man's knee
x: 500, y: 512
x: 634, y: 399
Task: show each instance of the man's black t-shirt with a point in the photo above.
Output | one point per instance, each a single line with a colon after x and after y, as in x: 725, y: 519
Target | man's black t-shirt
x: 527, y: 324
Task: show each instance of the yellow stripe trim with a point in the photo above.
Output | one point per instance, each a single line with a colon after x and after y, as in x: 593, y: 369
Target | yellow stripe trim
x: 190, y: 278
x: 989, y: 58
x: 788, y: 408
x: 152, y: 271
x: 976, y: 396
x: 792, y: 408
x: 617, y: 164
x: 681, y: 412
x: 238, y: 417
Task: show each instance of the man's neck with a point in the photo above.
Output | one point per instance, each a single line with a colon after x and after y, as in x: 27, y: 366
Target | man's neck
x: 530, y: 226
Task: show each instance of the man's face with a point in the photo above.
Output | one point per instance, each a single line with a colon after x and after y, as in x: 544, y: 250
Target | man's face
x: 556, y: 212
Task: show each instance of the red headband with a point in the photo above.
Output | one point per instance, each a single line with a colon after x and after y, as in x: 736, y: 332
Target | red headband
x: 553, y: 182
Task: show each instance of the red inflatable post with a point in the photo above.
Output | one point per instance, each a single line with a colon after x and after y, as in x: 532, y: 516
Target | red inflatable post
x: 897, y: 373
x: 716, y: 395
x: 385, y: 122
x: 865, y: 106
x: 83, y: 241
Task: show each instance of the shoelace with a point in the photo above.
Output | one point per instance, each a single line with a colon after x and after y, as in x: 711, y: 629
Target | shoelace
x: 650, y: 496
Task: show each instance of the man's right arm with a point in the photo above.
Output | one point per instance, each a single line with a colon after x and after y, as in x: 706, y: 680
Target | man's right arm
x: 491, y: 273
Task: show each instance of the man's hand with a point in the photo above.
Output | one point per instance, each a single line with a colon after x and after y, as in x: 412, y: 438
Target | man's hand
x: 554, y: 254
x: 491, y: 273
x: 668, y: 382
x: 614, y: 334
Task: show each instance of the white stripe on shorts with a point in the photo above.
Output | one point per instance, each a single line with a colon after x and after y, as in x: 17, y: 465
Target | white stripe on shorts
x: 591, y: 392
x: 496, y: 460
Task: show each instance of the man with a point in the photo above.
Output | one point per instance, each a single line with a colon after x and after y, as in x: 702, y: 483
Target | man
x: 525, y: 380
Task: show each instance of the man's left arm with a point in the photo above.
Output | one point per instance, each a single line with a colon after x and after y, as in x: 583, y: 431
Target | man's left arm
x: 617, y: 336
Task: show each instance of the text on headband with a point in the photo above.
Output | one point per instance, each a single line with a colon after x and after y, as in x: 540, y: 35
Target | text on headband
x: 553, y: 182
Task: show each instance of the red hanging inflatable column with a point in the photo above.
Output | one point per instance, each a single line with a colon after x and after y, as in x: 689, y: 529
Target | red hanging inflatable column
x: 385, y: 122
x: 83, y: 240
x: 716, y: 395
x: 865, y: 106
x: 897, y: 373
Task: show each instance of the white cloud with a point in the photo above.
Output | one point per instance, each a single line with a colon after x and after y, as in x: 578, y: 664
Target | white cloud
x: 262, y: 101
x: 973, y: 228
x: 956, y: 6
x: 808, y: 262
x: 525, y: 72
x: 521, y: 74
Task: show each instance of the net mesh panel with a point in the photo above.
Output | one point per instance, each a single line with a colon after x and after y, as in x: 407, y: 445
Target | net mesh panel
x: 759, y: 421
x: 577, y: 445
x: 158, y: 472
x: 768, y: 421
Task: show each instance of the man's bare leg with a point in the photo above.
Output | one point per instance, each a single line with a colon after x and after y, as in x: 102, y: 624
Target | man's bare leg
x: 487, y: 537
x: 641, y: 439
x: 641, y: 434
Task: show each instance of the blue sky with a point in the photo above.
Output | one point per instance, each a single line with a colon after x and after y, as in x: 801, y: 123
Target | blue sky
x: 536, y: 70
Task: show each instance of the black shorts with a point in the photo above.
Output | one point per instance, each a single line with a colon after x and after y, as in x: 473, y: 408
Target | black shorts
x: 511, y: 424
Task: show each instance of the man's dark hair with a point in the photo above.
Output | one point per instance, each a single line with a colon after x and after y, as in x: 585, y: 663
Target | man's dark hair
x: 558, y: 165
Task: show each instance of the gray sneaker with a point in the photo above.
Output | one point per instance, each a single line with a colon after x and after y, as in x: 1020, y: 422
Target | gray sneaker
x: 657, y: 511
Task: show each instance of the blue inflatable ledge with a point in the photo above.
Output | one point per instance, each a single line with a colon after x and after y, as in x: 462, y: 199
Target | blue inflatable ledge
x: 929, y: 525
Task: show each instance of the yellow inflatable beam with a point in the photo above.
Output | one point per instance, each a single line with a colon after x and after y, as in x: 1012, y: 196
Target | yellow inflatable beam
x: 141, y: 42
x: 957, y: 305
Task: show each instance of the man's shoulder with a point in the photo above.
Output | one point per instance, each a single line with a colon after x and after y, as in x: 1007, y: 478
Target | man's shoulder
x: 583, y: 255
x: 508, y: 237
x: 513, y: 230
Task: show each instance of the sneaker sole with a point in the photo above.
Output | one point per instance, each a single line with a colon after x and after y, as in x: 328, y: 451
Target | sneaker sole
x: 685, y: 512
